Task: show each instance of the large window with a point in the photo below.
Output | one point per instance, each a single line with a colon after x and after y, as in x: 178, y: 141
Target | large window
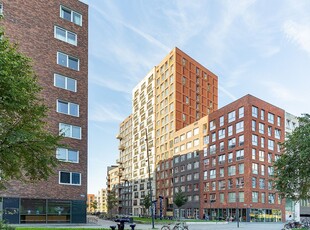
x: 68, y: 108
x: 70, y: 131
x: 64, y: 82
x: 70, y: 15
x: 254, y: 197
x: 239, y: 127
x: 71, y: 178
x: 65, y: 35
x: 68, y: 61
x: 231, y: 116
x: 67, y: 155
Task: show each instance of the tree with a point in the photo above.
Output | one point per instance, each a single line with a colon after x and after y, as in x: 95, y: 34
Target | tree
x: 94, y: 206
x: 112, y: 202
x: 179, y: 199
x: 27, y: 149
x: 147, y: 201
x: 292, y: 169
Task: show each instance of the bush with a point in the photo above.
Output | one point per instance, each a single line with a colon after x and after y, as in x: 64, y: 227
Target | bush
x: 5, y: 226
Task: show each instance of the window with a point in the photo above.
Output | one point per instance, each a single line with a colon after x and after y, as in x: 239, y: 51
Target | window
x: 269, y: 131
x: 270, y: 171
x: 254, y: 168
x: 1, y: 9
x: 261, y: 155
x: 270, y: 185
x: 232, y: 143
x: 213, y: 137
x: 68, y: 108
x: 196, y: 142
x: 254, y: 197
x: 221, y: 134
x: 263, y: 197
x: 270, y: 118
x: 221, y: 198
x: 189, y: 177
x: 241, y: 196
x: 70, y: 15
x: 241, y: 140
x: 188, y: 145
x: 67, y: 155
x: 253, y: 154
x: 70, y: 178
x: 189, y: 166
x: 64, y: 82
x: 206, y: 140
x: 269, y: 157
x: 212, y: 125
x: 262, y: 142
x: 231, y: 170
x: 271, y: 198
x: 241, y: 112
x: 254, y: 111
x: 241, y: 168
x: 222, y: 172
x: 212, y: 174
x: 221, y: 120
x: 231, y: 197
x: 212, y: 149
x: 222, y: 146
x: 230, y: 130
x: 189, y: 134
x: 68, y: 61
x: 271, y: 144
x: 232, y: 116
x: 70, y: 131
x: 254, y: 140
x: 196, y: 131
x: 196, y: 176
x: 278, y: 121
x: 262, y: 183
x: 253, y: 182
x: 65, y: 35
x: 183, y: 117
x: 230, y: 157
x: 261, y: 128
x: 262, y: 170
x: 262, y: 114
x: 240, y: 154
x: 253, y: 125
x: 221, y: 159
x: 182, y: 137
x: 277, y: 133
x: 205, y: 175
x: 239, y: 127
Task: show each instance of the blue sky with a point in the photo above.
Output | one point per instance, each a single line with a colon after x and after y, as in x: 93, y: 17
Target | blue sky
x: 254, y: 47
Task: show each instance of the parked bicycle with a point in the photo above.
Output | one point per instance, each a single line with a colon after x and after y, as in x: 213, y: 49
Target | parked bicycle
x: 292, y: 225
x: 177, y: 226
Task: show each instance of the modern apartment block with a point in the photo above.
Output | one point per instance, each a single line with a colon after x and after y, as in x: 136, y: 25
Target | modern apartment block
x: 90, y: 200
x: 239, y: 148
x: 125, y: 165
x: 185, y: 92
x: 55, y: 35
x: 102, y: 201
x: 174, y: 94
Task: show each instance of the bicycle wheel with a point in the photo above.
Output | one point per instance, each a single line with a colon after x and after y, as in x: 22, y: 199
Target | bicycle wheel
x: 165, y: 227
x: 176, y: 227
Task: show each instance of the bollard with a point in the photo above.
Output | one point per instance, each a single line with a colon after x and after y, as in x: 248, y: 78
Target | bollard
x: 132, y: 226
x: 113, y: 227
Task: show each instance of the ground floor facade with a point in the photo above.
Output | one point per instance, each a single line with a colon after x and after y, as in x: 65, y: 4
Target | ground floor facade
x: 28, y: 211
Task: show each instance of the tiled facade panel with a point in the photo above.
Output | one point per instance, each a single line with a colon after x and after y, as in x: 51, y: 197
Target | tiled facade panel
x: 31, y: 25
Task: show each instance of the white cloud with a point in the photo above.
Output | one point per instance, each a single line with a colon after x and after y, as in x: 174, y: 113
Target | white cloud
x: 298, y: 33
x: 281, y: 91
x: 229, y: 94
x: 106, y: 113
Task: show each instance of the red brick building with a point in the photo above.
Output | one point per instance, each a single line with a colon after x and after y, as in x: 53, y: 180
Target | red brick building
x: 240, y: 144
x: 55, y: 35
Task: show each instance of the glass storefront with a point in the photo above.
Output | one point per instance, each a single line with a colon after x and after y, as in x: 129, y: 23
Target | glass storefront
x: 44, y: 211
x: 265, y: 215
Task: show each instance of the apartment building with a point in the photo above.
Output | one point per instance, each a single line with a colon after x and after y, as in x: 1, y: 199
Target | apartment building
x: 90, y: 200
x: 185, y: 92
x: 125, y: 163
x: 55, y: 35
x: 102, y: 201
x: 239, y: 149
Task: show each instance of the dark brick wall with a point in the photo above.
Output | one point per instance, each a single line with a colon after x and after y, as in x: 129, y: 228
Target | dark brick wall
x: 31, y: 24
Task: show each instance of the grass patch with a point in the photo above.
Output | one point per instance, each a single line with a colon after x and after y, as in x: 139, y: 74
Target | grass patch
x: 40, y: 228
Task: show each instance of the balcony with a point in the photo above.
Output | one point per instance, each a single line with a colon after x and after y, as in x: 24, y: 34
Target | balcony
x: 119, y: 136
x: 121, y: 147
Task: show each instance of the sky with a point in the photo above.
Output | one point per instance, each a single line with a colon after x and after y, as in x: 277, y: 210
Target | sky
x: 254, y: 47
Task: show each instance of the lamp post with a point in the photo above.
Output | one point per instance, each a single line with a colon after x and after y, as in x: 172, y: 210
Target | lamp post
x: 150, y: 182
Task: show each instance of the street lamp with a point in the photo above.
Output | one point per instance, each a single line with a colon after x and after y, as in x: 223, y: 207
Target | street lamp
x: 150, y: 182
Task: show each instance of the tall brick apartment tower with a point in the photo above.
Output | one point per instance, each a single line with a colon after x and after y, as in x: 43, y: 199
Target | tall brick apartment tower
x: 55, y: 35
x: 174, y: 94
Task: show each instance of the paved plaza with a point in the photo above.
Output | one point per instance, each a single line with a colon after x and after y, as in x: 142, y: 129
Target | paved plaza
x: 192, y: 226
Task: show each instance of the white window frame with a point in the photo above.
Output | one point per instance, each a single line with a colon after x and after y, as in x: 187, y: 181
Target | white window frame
x: 66, y: 82
x: 70, y: 126
x: 1, y: 8
x: 66, y: 36
x: 70, y: 178
x: 72, y: 12
x: 69, y: 104
x: 67, y: 64
x: 67, y: 155
x: 231, y: 116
